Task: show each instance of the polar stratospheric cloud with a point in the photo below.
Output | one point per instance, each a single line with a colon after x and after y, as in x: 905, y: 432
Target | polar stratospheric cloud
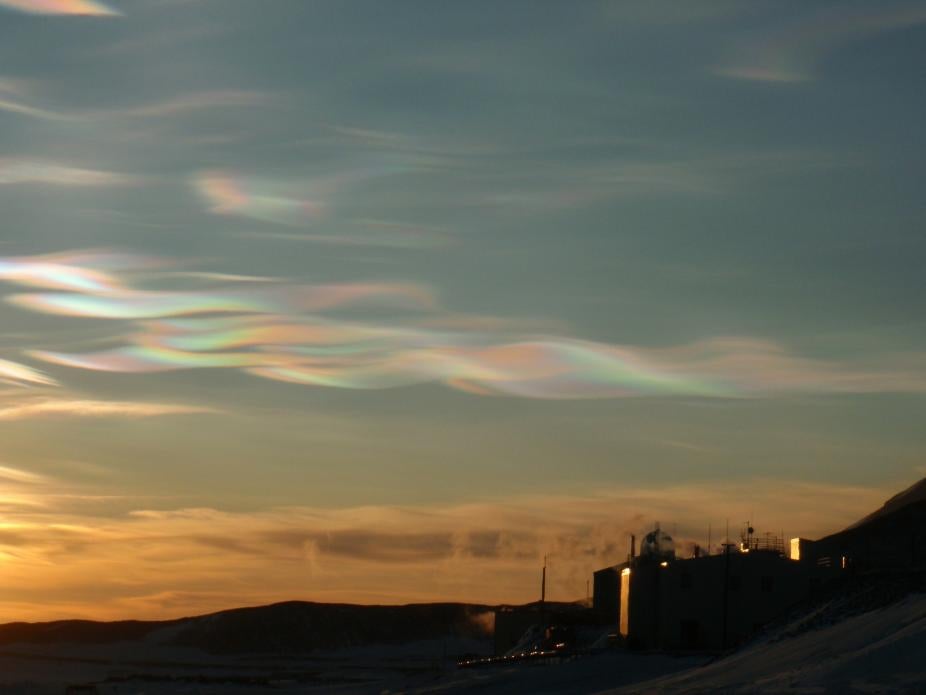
x: 314, y: 300
x: 61, y: 7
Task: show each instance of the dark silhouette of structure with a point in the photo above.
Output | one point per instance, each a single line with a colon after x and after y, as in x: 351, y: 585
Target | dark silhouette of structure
x: 712, y: 602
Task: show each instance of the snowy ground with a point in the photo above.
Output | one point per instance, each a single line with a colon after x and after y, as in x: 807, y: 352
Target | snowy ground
x: 883, y: 650
x: 133, y: 668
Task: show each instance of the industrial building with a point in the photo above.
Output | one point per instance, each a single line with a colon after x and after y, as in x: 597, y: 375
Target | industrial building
x: 705, y: 603
x: 713, y: 601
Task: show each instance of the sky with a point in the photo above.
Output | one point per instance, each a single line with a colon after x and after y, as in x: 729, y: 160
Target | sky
x: 384, y: 302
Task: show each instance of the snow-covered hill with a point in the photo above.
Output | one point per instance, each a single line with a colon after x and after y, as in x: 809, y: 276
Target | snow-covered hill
x: 880, y: 651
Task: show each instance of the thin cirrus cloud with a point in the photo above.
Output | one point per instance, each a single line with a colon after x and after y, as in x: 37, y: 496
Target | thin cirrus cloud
x: 227, y: 194
x: 35, y: 171
x: 9, y: 474
x: 90, y: 8
x: 17, y: 107
x: 369, y: 233
x: 293, y: 202
x: 12, y: 101
x: 292, y: 333
x: 189, y: 103
x: 301, y: 203
x: 85, y: 408
x: 792, y: 53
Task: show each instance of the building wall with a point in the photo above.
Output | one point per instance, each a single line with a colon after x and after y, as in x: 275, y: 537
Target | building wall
x: 624, y: 614
x: 606, y: 596
x: 712, y: 602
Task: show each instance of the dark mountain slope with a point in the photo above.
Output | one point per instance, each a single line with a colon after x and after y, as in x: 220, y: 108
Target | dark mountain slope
x: 892, y: 538
x: 914, y: 493
x: 294, y: 626
x: 299, y: 627
x: 80, y: 631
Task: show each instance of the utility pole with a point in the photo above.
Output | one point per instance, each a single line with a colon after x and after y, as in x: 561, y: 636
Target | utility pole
x: 726, y: 594
x: 543, y: 594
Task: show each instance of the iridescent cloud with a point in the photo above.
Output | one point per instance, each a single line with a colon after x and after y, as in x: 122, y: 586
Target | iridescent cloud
x: 550, y: 368
x: 74, y: 272
x: 91, y: 408
x: 792, y: 53
x: 141, y: 360
x: 63, y: 7
x: 227, y: 194
x: 21, y: 375
x: 138, y: 304
x: 275, y: 331
x: 254, y: 331
x: 358, y: 356
x: 292, y: 202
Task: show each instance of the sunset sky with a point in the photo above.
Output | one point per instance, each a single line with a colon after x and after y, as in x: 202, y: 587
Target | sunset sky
x: 384, y: 301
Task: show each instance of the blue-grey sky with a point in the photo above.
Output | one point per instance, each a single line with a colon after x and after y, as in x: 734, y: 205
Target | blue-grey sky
x: 318, y: 291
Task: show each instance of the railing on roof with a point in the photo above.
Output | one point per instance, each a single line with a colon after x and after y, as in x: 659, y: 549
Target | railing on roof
x: 767, y: 542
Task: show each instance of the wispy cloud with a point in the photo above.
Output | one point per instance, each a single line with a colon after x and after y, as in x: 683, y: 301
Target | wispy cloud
x: 13, y: 106
x: 479, y: 551
x: 287, y: 333
x: 189, y: 103
x: 36, y: 171
x: 154, y: 42
x: 793, y: 52
x: 91, y: 8
x: 673, y: 12
x: 77, y: 271
x: 17, y: 475
x: 366, y: 233
x: 64, y: 407
x: 20, y: 374
x: 226, y: 194
x: 180, y: 105
x: 294, y: 202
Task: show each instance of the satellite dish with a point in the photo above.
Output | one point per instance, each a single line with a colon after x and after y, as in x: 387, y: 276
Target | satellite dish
x: 658, y: 544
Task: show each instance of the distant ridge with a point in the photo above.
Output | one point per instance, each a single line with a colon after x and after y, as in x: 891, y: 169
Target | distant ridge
x: 891, y: 539
x: 914, y: 493
x: 289, y: 627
